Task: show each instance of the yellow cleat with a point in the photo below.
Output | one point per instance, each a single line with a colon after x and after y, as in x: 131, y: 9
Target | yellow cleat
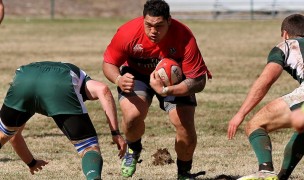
x: 261, y: 175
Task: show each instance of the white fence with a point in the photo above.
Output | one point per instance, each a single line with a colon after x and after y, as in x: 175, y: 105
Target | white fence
x: 222, y: 7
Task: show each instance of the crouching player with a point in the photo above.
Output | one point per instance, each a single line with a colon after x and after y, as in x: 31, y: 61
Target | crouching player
x: 58, y: 90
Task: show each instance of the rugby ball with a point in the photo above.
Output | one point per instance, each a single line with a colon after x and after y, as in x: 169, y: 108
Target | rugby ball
x: 169, y: 71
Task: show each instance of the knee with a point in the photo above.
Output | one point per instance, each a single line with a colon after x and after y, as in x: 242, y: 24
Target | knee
x: 129, y: 122
x: 89, y: 149
x: 250, y: 127
x: 132, y: 121
x: 89, y: 144
x: 189, y: 136
x: 103, y: 88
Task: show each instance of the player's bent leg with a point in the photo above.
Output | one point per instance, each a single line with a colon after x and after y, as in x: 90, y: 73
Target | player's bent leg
x: 10, y: 122
x: 182, y: 117
x: 183, y: 120
x: 273, y: 116
x: 134, y: 110
x: 92, y: 160
x: 293, y: 153
x: 6, y: 133
x: 80, y: 130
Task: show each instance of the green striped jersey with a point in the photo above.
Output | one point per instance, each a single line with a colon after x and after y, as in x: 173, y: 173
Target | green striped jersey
x: 289, y: 54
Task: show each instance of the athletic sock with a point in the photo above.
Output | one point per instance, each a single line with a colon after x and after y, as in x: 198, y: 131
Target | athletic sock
x: 183, y: 167
x: 92, y: 165
x: 261, y: 144
x: 136, y: 146
x: 292, y: 155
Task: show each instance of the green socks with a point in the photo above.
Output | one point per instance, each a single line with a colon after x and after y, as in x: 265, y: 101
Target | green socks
x: 92, y: 165
x: 261, y: 144
x: 292, y: 155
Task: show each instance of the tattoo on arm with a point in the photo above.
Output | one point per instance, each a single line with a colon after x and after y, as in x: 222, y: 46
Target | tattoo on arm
x: 195, y: 85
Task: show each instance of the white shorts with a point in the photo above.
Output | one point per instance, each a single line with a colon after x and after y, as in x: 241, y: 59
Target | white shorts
x: 296, y: 98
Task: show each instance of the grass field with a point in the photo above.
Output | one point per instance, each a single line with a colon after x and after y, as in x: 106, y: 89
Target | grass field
x: 235, y: 52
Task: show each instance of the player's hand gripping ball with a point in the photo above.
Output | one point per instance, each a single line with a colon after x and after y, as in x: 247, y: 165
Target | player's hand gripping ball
x: 169, y: 71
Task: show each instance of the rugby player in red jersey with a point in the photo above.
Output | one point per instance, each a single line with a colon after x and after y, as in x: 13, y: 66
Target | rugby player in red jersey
x: 130, y: 60
x: 1, y: 11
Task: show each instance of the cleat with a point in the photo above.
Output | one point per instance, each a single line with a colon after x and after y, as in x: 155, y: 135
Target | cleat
x: 128, y: 165
x: 185, y: 176
x: 261, y: 175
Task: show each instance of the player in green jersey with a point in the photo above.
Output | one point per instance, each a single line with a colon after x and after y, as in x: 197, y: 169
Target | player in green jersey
x: 58, y: 90
x: 287, y: 55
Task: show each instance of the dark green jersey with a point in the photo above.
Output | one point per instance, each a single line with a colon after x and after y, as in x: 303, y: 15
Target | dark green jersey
x: 289, y: 54
x: 48, y: 88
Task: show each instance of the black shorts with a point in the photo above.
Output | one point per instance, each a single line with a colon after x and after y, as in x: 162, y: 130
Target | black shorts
x: 75, y: 127
x: 142, y: 87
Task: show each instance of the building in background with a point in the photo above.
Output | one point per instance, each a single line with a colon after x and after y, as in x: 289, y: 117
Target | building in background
x: 235, y: 9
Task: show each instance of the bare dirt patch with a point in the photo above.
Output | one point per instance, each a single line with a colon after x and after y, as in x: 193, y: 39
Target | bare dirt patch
x: 162, y: 157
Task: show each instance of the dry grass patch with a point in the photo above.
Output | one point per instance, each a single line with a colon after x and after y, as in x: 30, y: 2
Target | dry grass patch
x: 235, y: 52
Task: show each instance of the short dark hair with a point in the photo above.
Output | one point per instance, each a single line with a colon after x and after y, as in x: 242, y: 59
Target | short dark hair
x: 157, y: 8
x: 294, y: 25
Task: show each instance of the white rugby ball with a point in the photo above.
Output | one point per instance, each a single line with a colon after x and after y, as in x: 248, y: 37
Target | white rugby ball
x: 169, y: 71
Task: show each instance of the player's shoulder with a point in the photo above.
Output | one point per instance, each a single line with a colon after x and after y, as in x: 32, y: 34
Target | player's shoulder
x: 293, y: 42
x: 180, y: 28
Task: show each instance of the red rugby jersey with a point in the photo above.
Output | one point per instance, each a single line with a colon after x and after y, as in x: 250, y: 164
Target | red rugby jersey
x: 130, y: 46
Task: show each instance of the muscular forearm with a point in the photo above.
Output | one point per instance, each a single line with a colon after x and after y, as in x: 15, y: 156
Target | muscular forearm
x: 257, y: 92
x: 21, y: 148
x: 109, y: 107
x: 187, y: 87
x: 260, y: 87
x: 110, y: 71
x: 98, y: 90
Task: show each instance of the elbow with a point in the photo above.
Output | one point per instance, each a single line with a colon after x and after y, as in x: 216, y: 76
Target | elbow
x: 201, y: 83
x: 200, y: 87
x: 103, y: 89
x: 196, y: 85
x: 97, y: 90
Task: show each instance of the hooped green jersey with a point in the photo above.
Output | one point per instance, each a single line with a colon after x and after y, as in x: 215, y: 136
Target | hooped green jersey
x: 289, y: 54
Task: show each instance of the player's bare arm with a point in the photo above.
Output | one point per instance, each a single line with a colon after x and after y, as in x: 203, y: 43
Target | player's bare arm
x: 125, y: 82
x: 195, y: 85
x: 20, y: 147
x: 259, y: 89
x: 110, y: 71
x: 186, y: 87
x: 98, y: 90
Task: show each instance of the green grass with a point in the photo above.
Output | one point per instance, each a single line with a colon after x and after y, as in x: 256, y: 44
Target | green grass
x: 235, y: 52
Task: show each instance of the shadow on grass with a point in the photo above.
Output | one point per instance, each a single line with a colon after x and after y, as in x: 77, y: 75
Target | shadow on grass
x: 220, y: 177
x: 6, y: 159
